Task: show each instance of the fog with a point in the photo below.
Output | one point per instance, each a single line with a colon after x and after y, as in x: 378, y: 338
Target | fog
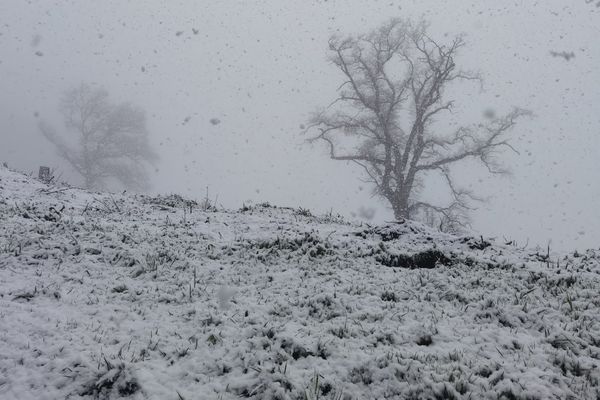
x: 227, y: 86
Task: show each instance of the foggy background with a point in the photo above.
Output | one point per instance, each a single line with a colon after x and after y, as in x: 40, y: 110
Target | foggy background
x: 260, y: 68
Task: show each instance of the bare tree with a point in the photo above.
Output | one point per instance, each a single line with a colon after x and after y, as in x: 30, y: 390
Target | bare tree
x: 383, y: 119
x: 112, y: 139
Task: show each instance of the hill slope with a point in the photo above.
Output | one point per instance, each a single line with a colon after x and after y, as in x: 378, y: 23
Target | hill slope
x: 110, y: 296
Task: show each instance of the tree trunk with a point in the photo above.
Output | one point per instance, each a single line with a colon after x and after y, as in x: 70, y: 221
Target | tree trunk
x: 400, y: 206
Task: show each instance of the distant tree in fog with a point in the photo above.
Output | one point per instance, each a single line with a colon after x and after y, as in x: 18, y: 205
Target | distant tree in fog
x: 111, y: 139
x: 384, y: 119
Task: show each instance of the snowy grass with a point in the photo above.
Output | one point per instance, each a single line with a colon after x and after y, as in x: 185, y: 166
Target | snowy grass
x: 111, y: 296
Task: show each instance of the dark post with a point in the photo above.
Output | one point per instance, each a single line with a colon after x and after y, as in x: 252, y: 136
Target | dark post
x: 44, y: 174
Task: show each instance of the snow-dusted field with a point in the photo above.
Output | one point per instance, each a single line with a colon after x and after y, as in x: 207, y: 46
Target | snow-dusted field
x: 110, y: 296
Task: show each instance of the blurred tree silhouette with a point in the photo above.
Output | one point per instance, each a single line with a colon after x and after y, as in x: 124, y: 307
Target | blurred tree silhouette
x: 112, y: 139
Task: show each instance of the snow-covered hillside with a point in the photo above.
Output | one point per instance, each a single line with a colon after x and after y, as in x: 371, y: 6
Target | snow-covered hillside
x: 118, y: 296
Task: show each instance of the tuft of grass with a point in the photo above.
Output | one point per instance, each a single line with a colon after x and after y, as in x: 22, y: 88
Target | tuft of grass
x: 120, y: 288
x: 304, y: 212
x: 389, y: 296
x: 213, y: 339
x: 427, y: 259
x: 425, y: 340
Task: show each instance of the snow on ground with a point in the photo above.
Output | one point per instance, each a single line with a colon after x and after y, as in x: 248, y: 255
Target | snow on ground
x: 122, y: 296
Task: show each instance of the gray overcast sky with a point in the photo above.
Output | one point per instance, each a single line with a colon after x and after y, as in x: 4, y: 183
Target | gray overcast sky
x: 260, y: 67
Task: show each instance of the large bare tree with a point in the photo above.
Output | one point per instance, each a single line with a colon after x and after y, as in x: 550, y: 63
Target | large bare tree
x: 393, y: 92
x: 108, y: 141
